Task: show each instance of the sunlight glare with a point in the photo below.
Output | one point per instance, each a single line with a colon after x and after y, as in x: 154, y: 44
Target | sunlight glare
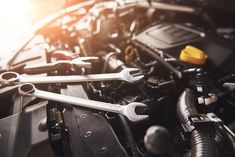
x: 14, y: 17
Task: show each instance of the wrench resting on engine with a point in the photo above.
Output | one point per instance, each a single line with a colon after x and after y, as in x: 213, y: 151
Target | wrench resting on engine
x: 13, y: 78
x: 29, y: 89
x: 80, y: 62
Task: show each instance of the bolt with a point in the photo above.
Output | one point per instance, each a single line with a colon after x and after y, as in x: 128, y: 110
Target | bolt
x: 88, y: 134
x: 83, y: 116
x: 103, y: 149
x: 43, y: 124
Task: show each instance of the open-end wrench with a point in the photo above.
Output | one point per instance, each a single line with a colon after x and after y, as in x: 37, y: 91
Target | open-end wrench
x: 80, y: 62
x: 12, y: 78
x: 129, y: 110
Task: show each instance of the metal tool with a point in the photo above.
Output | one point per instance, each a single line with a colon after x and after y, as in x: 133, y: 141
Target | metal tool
x: 64, y: 55
x: 12, y: 78
x: 80, y: 62
x: 129, y: 110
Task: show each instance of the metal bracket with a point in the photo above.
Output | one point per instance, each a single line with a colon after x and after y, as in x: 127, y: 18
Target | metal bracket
x: 204, y: 119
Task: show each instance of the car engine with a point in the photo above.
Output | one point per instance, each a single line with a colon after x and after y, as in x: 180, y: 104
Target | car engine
x: 124, y: 78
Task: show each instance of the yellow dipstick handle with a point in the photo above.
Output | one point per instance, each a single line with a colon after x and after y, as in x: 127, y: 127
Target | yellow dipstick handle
x: 193, y: 55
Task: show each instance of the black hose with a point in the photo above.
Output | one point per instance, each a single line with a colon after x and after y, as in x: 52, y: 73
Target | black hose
x: 203, y: 143
x: 202, y: 137
x: 129, y: 136
x: 227, y: 135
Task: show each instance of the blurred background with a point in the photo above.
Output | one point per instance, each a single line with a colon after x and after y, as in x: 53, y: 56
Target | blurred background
x: 18, y: 16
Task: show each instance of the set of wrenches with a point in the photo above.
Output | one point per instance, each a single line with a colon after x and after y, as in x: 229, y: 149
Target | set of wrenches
x: 27, y: 88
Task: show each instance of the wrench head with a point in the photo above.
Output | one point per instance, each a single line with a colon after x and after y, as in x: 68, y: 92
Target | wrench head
x: 26, y: 89
x: 127, y: 75
x: 84, y: 62
x: 130, y: 112
x: 9, y: 78
x: 77, y: 63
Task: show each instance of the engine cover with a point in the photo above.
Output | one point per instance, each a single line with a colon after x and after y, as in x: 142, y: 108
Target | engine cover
x: 171, y: 38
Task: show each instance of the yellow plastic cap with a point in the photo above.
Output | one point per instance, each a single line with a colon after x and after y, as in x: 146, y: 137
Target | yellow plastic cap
x: 193, y: 55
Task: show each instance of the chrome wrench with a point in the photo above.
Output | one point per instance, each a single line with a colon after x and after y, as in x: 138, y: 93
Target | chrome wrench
x: 129, y: 110
x: 13, y: 78
x: 80, y: 62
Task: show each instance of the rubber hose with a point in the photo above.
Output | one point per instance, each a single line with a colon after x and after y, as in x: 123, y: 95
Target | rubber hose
x: 129, y: 136
x: 202, y: 138
x: 203, y: 143
x: 227, y: 135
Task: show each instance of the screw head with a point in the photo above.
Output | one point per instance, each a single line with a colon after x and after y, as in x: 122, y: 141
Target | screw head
x: 88, y: 134
x: 103, y: 149
x: 83, y: 116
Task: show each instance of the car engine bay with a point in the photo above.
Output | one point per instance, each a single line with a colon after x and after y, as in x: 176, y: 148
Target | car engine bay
x: 124, y: 78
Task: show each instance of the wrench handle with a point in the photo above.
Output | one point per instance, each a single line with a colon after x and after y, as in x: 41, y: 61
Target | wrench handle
x: 42, y: 69
x: 70, y: 79
x: 115, y: 108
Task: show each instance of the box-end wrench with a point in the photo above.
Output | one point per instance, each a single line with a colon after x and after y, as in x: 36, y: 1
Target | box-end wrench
x: 12, y: 78
x: 129, y: 110
x: 80, y: 62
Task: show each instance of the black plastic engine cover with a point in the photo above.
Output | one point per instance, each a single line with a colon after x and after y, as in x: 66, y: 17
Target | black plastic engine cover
x: 171, y: 38
x: 90, y: 134
x: 21, y: 135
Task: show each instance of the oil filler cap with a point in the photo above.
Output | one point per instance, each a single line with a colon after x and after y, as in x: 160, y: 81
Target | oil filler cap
x: 193, y: 55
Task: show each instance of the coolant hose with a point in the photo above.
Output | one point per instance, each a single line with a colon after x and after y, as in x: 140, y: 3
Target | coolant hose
x: 202, y: 137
